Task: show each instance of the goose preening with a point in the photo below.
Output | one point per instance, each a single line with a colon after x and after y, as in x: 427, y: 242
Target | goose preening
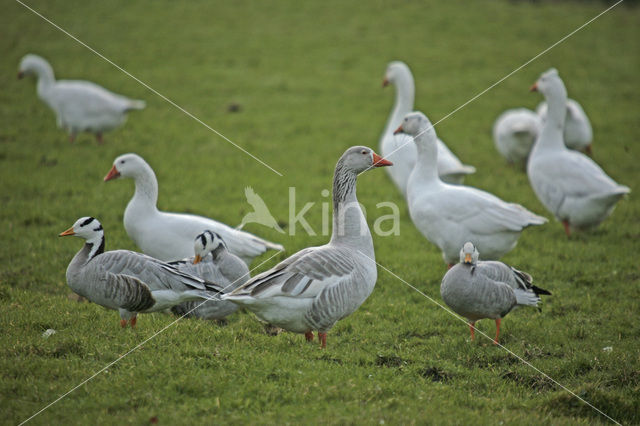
x: 450, y: 215
x: 318, y: 286
x: 128, y: 281
x: 80, y: 106
x: 577, y: 127
x: 398, y: 148
x: 568, y: 183
x: 477, y: 290
x: 169, y: 236
x: 514, y: 133
x: 214, y: 263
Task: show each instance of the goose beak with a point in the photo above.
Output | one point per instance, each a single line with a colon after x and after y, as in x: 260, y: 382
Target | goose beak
x: 385, y: 82
x: 380, y: 162
x: 398, y: 130
x: 197, y: 260
x: 20, y: 75
x: 534, y: 88
x: 467, y: 258
x: 67, y: 232
x: 113, y: 174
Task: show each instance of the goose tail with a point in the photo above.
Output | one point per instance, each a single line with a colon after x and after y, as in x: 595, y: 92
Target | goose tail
x: 135, y: 104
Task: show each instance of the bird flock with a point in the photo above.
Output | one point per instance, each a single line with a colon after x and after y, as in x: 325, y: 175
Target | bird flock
x: 197, y: 267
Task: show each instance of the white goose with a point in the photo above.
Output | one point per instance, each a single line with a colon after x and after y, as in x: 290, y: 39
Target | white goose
x: 577, y: 127
x: 318, y: 286
x: 398, y: 148
x: 569, y: 184
x: 80, y: 106
x: 478, y: 290
x: 450, y: 215
x: 514, y: 133
x: 128, y: 281
x: 212, y: 262
x: 169, y: 236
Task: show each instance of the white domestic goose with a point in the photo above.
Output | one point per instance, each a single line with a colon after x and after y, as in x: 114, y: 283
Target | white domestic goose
x: 477, y: 290
x: 214, y: 263
x: 514, y: 133
x: 80, y: 106
x: 128, y: 281
x: 569, y: 184
x: 577, y: 127
x: 318, y: 286
x: 169, y: 236
x: 450, y: 215
x: 398, y: 148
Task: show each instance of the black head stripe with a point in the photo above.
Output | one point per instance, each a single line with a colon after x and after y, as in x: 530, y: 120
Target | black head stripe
x: 99, y: 228
x: 87, y: 221
x: 203, y: 239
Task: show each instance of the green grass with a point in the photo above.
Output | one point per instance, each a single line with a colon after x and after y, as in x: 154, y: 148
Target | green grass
x: 307, y: 77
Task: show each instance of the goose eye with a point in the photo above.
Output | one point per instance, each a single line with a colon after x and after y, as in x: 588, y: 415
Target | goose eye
x: 406, y: 119
x: 121, y: 161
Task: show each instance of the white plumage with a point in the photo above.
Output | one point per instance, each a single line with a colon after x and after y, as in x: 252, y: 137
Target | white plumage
x: 514, y: 133
x: 577, y: 127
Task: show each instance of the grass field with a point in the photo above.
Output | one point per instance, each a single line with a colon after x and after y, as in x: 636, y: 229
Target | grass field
x: 307, y: 77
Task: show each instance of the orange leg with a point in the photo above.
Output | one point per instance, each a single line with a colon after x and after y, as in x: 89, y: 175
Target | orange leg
x: 123, y: 323
x: 588, y: 150
x: 309, y: 336
x: 322, y: 337
x: 472, y: 329
x: 495, y: 341
x: 133, y: 321
x: 566, y: 227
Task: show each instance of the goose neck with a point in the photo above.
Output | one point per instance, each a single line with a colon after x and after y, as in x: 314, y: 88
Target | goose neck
x: 404, y: 98
x: 146, y: 187
x: 427, y: 160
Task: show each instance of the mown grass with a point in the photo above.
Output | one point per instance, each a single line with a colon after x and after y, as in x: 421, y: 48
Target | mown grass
x: 307, y: 78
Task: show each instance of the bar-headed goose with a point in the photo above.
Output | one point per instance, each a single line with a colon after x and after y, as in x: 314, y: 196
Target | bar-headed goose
x: 128, y: 281
x: 450, y: 215
x: 569, y: 184
x: 318, y: 286
x: 80, y: 106
x: 169, y: 236
x: 212, y: 262
x: 477, y: 290
x: 398, y: 148
x: 514, y: 133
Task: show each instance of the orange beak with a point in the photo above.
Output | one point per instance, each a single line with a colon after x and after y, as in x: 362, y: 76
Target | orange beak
x: 67, y: 232
x: 20, y: 74
x: 398, y: 130
x: 197, y: 260
x: 113, y: 174
x: 380, y: 162
x: 467, y: 258
x: 534, y: 88
x: 385, y: 82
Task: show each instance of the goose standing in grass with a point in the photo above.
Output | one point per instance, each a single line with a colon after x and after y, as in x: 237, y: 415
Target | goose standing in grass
x: 80, y: 106
x: 318, y: 286
x: 212, y: 262
x: 128, y: 281
x: 569, y: 184
x: 514, y: 133
x: 477, y: 290
x: 450, y: 215
x: 577, y: 127
x: 169, y: 236
x: 398, y: 148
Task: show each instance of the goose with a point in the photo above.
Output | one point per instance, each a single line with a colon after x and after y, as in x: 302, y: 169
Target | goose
x: 80, y: 106
x: 514, y: 133
x: 477, y: 290
x: 398, y: 148
x: 450, y: 215
x: 577, y: 127
x: 568, y: 183
x: 212, y: 262
x: 169, y: 236
x: 318, y: 286
x: 128, y: 281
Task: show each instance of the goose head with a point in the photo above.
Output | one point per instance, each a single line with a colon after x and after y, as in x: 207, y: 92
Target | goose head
x: 127, y: 165
x: 87, y: 227
x: 360, y: 158
x: 469, y: 254
x: 415, y: 124
x: 395, y: 71
x: 550, y: 85
x: 33, y: 65
x: 205, y: 243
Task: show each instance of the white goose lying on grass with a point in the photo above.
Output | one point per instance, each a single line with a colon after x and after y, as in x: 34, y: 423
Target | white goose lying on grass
x: 398, y: 148
x: 569, y: 184
x: 128, y: 281
x: 450, y: 215
x: 80, y: 106
x: 514, y: 133
x: 212, y: 262
x: 577, y: 127
x: 318, y: 286
x: 478, y: 290
x: 169, y: 236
